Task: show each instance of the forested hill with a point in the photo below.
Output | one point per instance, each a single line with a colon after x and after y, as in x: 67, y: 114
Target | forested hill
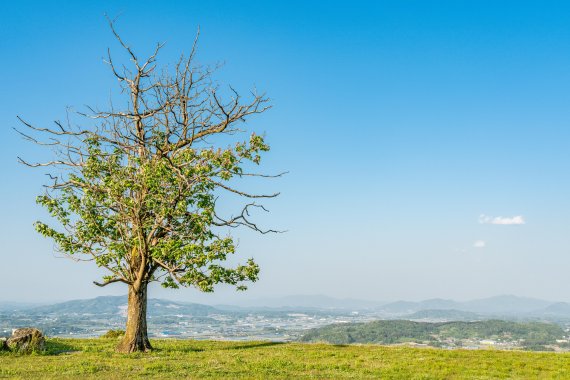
x: 531, y: 335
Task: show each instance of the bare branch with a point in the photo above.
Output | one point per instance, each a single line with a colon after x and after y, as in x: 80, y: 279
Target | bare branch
x: 243, y: 194
x: 242, y: 220
x: 113, y: 280
x: 125, y: 46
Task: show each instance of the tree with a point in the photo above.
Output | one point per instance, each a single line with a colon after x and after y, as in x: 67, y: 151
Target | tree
x: 135, y: 189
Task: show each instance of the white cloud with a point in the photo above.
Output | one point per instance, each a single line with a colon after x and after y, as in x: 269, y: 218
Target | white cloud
x: 479, y: 244
x: 485, y: 219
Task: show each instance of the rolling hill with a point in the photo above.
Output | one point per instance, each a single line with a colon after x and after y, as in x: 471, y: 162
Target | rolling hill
x: 117, y: 305
x: 533, y: 335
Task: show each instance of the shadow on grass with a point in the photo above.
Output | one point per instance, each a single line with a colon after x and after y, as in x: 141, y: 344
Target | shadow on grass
x: 253, y: 345
x: 182, y: 349
x: 58, y: 348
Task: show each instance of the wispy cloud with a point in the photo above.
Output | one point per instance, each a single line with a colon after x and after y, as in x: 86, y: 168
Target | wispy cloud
x: 512, y: 220
x: 479, y: 244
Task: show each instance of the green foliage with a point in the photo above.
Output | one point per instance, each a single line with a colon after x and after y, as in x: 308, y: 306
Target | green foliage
x: 113, y: 334
x: 136, y: 191
x: 180, y: 359
x: 178, y: 209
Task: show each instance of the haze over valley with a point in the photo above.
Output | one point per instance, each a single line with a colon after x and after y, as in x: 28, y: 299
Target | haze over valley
x: 278, y: 319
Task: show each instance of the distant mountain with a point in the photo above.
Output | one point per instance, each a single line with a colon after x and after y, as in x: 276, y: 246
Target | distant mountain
x: 558, y: 308
x: 500, y: 305
x: 406, y: 307
x: 312, y: 302
x: 99, y: 305
x: 118, y: 305
x: 11, y: 306
x: 505, y: 304
x: 505, y: 307
x: 165, y: 307
x: 444, y: 315
x: 438, y: 303
x: 400, y: 307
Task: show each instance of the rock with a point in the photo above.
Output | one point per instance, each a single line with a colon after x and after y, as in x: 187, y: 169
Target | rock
x: 26, y: 340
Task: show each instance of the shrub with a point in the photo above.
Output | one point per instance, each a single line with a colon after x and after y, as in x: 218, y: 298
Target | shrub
x: 114, y: 334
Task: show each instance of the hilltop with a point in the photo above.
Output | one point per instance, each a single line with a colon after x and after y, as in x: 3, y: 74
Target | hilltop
x: 177, y: 359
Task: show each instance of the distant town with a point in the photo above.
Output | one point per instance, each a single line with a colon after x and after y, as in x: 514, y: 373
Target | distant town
x: 535, y: 324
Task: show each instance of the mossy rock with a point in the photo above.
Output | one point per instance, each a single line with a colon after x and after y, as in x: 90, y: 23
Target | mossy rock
x: 26, y: 341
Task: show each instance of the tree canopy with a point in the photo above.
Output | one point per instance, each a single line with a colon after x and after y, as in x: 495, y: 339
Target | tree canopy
x: 135, y: 188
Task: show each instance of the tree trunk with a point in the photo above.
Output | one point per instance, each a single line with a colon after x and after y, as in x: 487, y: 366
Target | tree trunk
x: 136, y: 337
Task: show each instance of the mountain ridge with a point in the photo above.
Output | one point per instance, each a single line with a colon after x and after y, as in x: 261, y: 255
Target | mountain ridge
x: 502, y: 305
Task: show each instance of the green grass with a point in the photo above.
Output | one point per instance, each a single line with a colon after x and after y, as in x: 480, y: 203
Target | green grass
x: 177, y: 359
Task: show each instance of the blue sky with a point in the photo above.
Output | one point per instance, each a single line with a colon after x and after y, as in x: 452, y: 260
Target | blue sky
x: 400, y: 122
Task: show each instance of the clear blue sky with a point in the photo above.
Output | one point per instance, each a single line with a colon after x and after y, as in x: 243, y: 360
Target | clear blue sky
x: 401, y: 123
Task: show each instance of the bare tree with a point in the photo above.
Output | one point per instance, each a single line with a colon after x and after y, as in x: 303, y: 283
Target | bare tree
x: 135, y: 191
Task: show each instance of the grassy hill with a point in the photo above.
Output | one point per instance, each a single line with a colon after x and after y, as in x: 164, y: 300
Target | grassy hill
x: 176, y: 359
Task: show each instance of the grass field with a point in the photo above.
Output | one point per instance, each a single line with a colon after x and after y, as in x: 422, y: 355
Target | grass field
x: 178, y: 359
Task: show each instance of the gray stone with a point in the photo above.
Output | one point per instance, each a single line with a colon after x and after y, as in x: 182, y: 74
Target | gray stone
x: 26, y: 340
x: 3, y: 345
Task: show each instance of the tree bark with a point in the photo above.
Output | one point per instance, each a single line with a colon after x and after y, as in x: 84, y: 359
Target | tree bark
x: 136, y: 336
